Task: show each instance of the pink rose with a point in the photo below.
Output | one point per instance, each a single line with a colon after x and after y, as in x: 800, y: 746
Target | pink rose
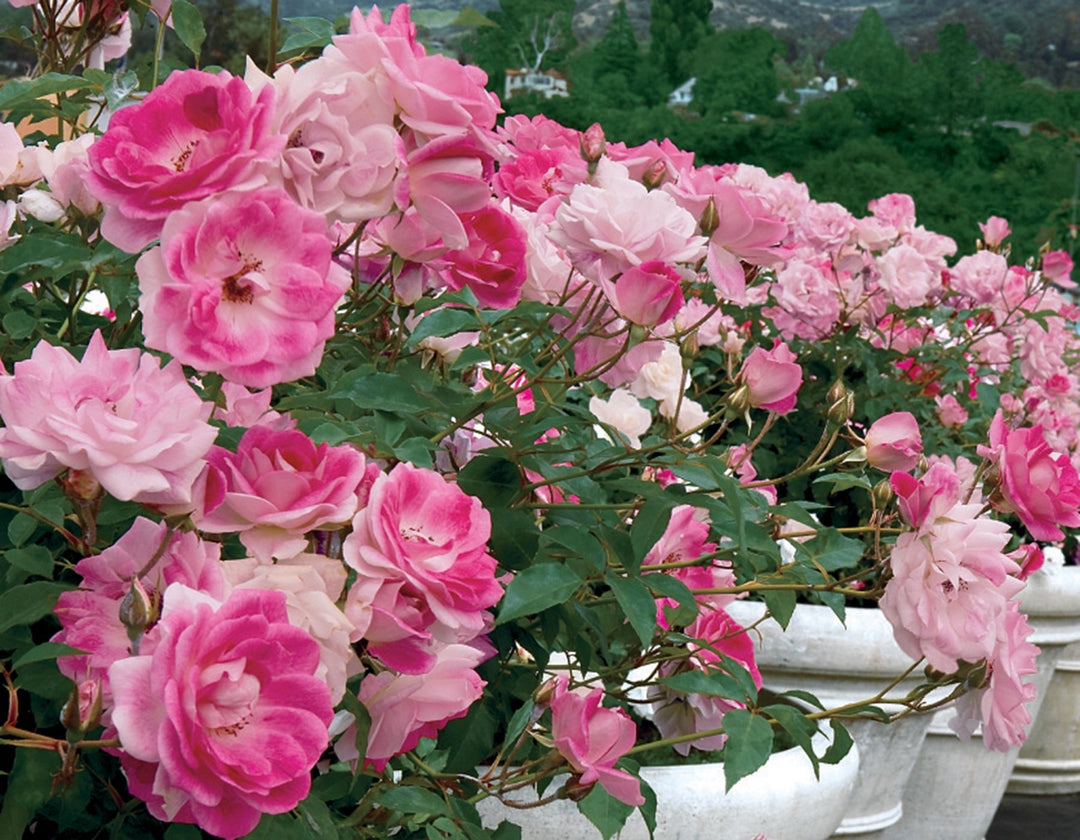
x: 647, y: 294
x: 277, y: 487
x: 224, y: 721
x: 994, y: 231
x: 925, y: 499
x: 1057, y: 267
x: 139, y: 429
x: 90, y: 615
x: 1037, y: 484
x: 949, y: 411
x: 592, y: 738
x: 896, y: 210
x: 893, y: 442
x: 424, y: 575
x: 533, y: 176
x: 194, y: 136
x: 772, y: 378
x: 244, y: 408
x: 492, y: 265
x: 243, y: 284
x: 624, y: 413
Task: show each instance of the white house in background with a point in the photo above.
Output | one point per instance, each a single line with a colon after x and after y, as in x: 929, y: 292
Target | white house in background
x: 547, y: 83
x: 682, y: 95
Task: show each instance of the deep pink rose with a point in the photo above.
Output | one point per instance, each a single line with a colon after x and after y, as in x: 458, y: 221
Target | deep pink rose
x: 193, y: 136
x: 893, y: 442
x: 533, y: 176
x: 492, y: 265
x: 243, y: 284
x: 224, y: 721
x: 772, y: 377
x: 90, y: 615
x: 139, y: 429
x: 277, y: 487
x: 1039, y: 485
x: 592, y: 738
x: 419, y: 548
x: 646, y: 294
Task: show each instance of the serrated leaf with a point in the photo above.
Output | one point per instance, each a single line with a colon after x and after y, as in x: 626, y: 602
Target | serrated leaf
x: 382, y: 391
x: 35, y: 559
x: 748, y: 745
x: 19, y: 92
x: 537, y: 588
x: 830, y: 550
x: 45, y: 652
x: 604, y: 811
x: 410, y: 799
x: 713, y: 683
x: 650, y: 522
x: 312, y: 32
x: 25, y: 604
x: 781, y: 604
x: 120, y: 87
x: 441, y: 323
x: 841, y: 744
x: 801, y: 730
x: 188, y: 24
x: 21, y: 528
x: 19, y: 324
x: 845, y: 481
x: 637, y: 603
x: 519, y: 721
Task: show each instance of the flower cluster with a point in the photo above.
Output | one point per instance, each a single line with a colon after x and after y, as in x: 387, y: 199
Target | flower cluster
x: 529, y: 401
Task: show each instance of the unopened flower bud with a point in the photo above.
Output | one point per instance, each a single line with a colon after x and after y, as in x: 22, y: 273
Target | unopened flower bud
x: 690, y: 346
x: 137, y: 612
x: 574, y: 790
x: 81, y: 486
x: 882, y: 494
x: 710, y: 218
x: 739, y: 400
x: 82, y: 711
x: 841, y: 404
x: 592, y: 143
x: 654, y: 176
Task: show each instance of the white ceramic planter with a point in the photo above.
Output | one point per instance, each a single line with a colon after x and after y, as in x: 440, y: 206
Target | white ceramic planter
x: 841, y: 664
x: 956, y: 786
x: 782, y: 800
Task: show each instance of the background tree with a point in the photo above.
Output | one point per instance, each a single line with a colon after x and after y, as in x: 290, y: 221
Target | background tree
x: 735, y: 71
x: 676, y: 27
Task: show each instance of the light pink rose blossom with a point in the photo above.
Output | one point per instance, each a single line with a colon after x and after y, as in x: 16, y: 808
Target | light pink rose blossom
x: 244, y: 408
x: 647, y: 294
x: 994, y: 230
x: 1037, y: 484
x: 424, y: 574
x: 225, y: 720
x: 90, y: 615
x: 808, y: 300
x: 926, y: 499
x: 1057, y: 267
x: 896, y: 210
x: 893, y: 442
x: 243, y: 284
x: 623, y: 412
x: 772, y: 378
x: 592, y: 738
x: 193, y: 136
x: 949, y: 410
x: 138, y: 428
x: 906, y: 278
x: 979, y: 276
x: 279, y: 486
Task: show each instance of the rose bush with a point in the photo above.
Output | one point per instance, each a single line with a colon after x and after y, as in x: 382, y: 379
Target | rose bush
x: 535, y: 408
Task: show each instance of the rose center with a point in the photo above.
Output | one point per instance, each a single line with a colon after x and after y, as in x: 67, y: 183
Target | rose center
x: 180, y: 161
x: 235, y: 288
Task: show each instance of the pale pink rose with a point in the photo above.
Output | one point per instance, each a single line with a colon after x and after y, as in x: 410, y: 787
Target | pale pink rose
x: 492, y: 265
x: 738, y: 460
x: 675, y: 713
x: 139, y: 429
x: 592, y: 738
x: 615, y: 223
x: 688, y: 414
x: 1057, y: 267
x: 684, y: 541
x: 407, y: 707
x: 994, y: 231
x: 979, y: 276
x: 906, y: 278
x: 193, y: 136
x: 65, y: 170
x: 279, y: 486
x: 893, y: 442
x: 90, y: 615
x: 647, y: 294
x: 424, y: 575
x: 225, y: 720
x: 343, y: 153
x: 40, y: 205
x: 772, y: 378
x: 548, y: 275
x: 609, y: 361
x: 8, y: 213
x: 17, y: 164
x: 808, y: 301
x: 1000, y: 705
x: 1030, y: 558
x: 926, y: 499
x: 652, y: 156
x: 623, y: 412
x: 1043, y: 348
x: 950, y: 585
x: 311, y: 583
x: 243, y: 284
x: 663, y: 379
x: 896, y: 210
x: 244, y: 408
x: 949, y: 410
x: 782, y: 195
x: 1037, y: 484
x: 827, y: 225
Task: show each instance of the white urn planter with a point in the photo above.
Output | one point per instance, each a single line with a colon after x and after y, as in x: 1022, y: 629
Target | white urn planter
x: 783, y: 800
x: 841, y: 664
x: 957, y: 785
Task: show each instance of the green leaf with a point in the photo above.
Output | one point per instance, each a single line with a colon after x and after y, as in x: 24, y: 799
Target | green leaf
x: 649, y: 525
x: 796, y: 724
x: 830, y: 550
x: 443, y: 322
x: 44, y: 652
x: 537, y: 588
x: 24, y: 91
x: 841, y: 745
x: 781, y: 604
x: 519, y: 721
x: 119, y: 88
x: 410, y: 799
x: 493, y: 478
x: 379, y: 390
x: 28, y: 787
x: 19, y: 324
x: 507, y: 831
x: 673, y: 588
x: 604, y: 811
x: 514, y: 538
x: 21, y: 528
x: 313, y: 32
x: 637, y: 603
x: 46, y: 249
x: 715, y: 683
x: 845, y: 481
x: 748, y: 745
x: 416, y: 450
x: 35, y: 559
x: 23, y: 605
x: 188, y: 24
x: 183, y: 831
